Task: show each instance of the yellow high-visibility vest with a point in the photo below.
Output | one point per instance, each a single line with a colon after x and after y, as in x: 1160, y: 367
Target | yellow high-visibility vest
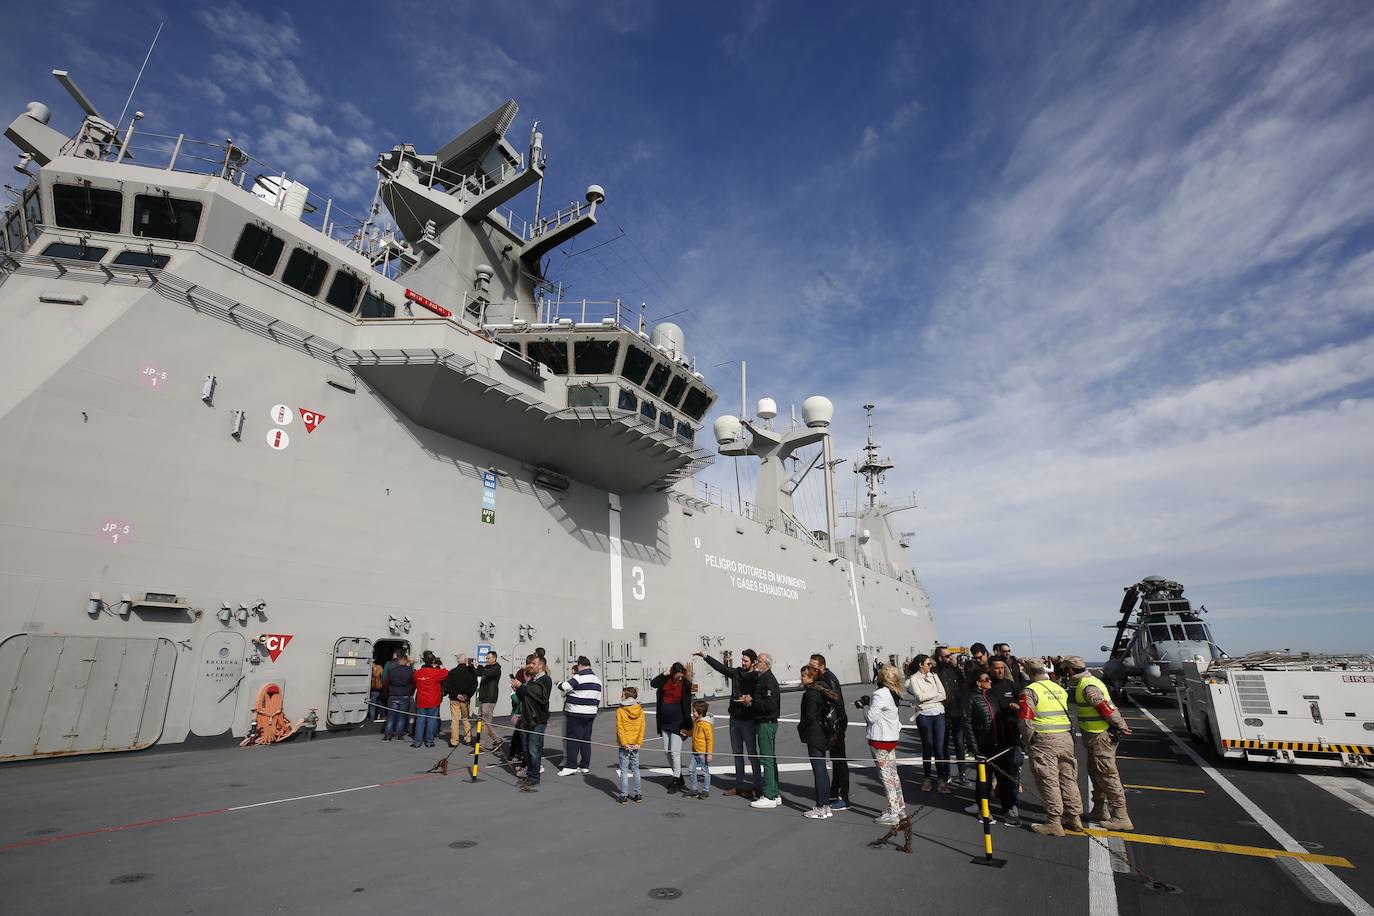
x: 1051, y: 708
x: 1089, y: 719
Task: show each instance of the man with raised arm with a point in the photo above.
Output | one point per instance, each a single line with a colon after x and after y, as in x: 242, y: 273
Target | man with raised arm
x: 744, y: 733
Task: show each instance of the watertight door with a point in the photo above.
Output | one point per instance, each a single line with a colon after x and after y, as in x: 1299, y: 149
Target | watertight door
x: 350, y: 682
x: 219, y: 678
x: 612, y: 673
x: 78, y: 695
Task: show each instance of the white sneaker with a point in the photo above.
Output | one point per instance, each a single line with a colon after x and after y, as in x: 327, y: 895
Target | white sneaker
x: 566, y: 771
x: 972, y: 809
x: 817, y: 813
x: 583, y: 770
x: 887, y: 820
x: 766, y: 802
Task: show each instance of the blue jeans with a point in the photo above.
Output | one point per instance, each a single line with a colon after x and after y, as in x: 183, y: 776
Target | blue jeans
x: 958, y: 738
x: 744, y: 738
x: 822, y: 774
x: 534, y: 749
x: 629, y: 763
x: 577, y: 735
x: 376, y: 709
x: 398, y: 717
x: 699, y: 765
x: 932, y: 732
x: 426, y: 726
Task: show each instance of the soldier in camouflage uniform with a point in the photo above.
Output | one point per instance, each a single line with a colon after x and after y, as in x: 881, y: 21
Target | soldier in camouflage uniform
x: 1046, y: 728
x: 1096, y: 717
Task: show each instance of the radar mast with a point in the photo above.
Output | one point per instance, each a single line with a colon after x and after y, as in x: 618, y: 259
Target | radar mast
x: 873, y: 467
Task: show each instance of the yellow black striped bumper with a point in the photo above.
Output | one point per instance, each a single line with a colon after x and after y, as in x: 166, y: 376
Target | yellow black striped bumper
x: 1309, y: 746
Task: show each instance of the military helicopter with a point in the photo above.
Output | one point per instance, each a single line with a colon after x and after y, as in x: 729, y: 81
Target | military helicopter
x: 1154, y: 639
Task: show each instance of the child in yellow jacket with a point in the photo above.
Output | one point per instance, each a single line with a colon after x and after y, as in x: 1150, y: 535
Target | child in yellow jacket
x: 703, y: 745
x: 629, y: 732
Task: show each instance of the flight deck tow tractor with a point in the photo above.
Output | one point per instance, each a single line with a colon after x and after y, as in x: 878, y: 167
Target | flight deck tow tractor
x: 1155, y: 639
x: 1279, y: 707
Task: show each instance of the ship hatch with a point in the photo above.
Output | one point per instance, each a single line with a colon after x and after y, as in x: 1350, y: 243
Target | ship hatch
x: 82, y: 694
x: 350, y: 682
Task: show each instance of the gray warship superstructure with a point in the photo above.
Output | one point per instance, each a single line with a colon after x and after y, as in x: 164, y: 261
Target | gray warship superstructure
x: 250, y: 440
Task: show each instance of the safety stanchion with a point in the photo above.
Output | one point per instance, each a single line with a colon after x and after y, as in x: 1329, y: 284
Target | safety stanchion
x: 984, y: 791
x: 476, y: 750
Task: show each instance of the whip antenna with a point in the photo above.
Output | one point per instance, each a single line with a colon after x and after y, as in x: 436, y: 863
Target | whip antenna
x: 134, y: 88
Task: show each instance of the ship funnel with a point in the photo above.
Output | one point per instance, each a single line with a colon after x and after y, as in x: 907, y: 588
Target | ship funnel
x: 727, y: 429
x: 817, y: 412
x: 767, y: 409
x: 669, y: 338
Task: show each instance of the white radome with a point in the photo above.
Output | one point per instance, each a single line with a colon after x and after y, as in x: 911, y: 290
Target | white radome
x: 727, y: 429
x: 817, y: 412
x: 767, y: 409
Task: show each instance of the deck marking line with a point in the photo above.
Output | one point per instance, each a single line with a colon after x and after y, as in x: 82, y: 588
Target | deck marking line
x: 1335, y: 785
x: 1127, y: 785
x: 1101, y: 880
x: 1352, y: 901
x: 282, y: 801
x: 43, y: 841
x: 1121, y: 863
x: 1234, y: 849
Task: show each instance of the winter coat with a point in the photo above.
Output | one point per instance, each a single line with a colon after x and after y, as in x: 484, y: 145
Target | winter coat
x: 816, y: 698
x: 664, y: 716
x: 429, y: 686
x: 488, y: 683
x: 741, y: 684
x: 881, y: 716
x: 534, y: 700
x: 928, y: 690
x: 833, y: 683
x: 983, y: 719
x: 766, y: 703
x: 956, y: 692
x: 703, y: 736
x: 629, y: 723
x: 400, y: 681
x: 461, y: 683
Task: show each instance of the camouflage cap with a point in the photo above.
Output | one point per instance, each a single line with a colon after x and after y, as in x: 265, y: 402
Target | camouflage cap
x: 1075, y: 663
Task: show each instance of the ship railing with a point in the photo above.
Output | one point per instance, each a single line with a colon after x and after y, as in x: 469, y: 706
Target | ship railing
x: 227, y: 160
x: 528, y: 231
x: 550, y: 314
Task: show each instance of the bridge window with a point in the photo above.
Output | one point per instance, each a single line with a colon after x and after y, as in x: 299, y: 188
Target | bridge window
x: 374, y: 306
x: 259, y: 249
x: 696, y: 403
x: 14, y: 232
x: 665, y: 420
x: 132, y: 258
x: 685, y: 433
x: 595, y: 357
x: 627, y: 400
x: 160, y: 216
x: 70, y: 252
x: 84, y: 207
x: 305, y: 271
x: 648, y: 410
x: 675, y: 389
x: 657, y: 379
x: 552, y: 353
x: 637, y: 364
x: 589, y: 396
x: 344, y: 290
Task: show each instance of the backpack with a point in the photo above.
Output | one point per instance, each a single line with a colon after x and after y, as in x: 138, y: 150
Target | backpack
x: 830, y: 718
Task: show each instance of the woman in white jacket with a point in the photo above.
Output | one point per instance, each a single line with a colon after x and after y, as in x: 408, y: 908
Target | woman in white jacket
x: 925, y: 685
x: 884, y: 728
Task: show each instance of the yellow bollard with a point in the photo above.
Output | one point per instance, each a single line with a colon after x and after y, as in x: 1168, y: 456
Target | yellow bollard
x: 984, y: 790
x: 476, y: 749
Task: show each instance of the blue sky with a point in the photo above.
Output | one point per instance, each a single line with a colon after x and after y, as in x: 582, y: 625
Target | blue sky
x: 1106, y: 269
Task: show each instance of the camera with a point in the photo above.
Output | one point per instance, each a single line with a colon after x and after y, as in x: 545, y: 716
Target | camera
x: 862, y: 701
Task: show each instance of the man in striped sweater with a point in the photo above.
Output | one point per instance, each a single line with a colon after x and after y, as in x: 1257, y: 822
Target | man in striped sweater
x: 582, y: 699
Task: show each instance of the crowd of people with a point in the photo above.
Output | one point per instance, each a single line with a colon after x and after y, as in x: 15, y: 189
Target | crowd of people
x: 988, y: 707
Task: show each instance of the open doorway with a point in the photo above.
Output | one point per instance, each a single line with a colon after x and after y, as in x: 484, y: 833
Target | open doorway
x: 383, y: 651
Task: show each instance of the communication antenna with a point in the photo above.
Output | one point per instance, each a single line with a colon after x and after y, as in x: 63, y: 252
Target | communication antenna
x: 134, y: 88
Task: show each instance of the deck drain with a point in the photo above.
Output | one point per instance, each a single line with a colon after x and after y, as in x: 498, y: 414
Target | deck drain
x: 235, y: 785
x: 665, y: 893
x: 330, y: 810
x: 337, y: 757
x: 1308, y: 844
x: 462, y: 844
x: 134, y: 878
x: 1248, y: 823
x: 44, y: 831
x: 672, y: 814
x: 1163, y: 888
x: 359, y: 890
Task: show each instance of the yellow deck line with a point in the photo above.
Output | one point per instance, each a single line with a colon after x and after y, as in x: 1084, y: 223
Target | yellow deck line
x: 1165, y: 789
x: 1235, y: 850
